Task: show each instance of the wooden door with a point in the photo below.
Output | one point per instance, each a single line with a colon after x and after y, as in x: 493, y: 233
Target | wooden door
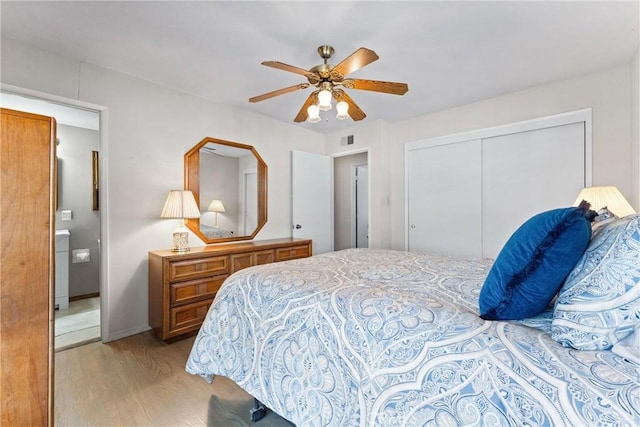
x: 27, y: 238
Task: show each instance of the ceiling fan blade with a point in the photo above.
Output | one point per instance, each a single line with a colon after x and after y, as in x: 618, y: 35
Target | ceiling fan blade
x: 279, y: 92
x: 378, y: 86
x: 302, y: 114
x: 355, y: 61
x: 354, y: 111
x: 286, y: 67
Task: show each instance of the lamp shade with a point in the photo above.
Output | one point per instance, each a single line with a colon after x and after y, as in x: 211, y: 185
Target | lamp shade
x: 216, y: 206
x: 180, y: 204
x: 609, y: 197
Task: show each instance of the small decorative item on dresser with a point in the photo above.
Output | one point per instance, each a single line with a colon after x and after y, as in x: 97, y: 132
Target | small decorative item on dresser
x: 180, y: 204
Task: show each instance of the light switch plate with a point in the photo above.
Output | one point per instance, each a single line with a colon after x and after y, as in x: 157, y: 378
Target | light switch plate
x: 66, y: 215
x: 80, y: 255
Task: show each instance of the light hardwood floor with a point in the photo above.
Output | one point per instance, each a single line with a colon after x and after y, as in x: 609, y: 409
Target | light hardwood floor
x: 141, y: 381
x: 78, y: 324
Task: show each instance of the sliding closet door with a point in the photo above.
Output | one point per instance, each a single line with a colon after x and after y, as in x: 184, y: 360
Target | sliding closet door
x: 467, y: 193
x: 526, y: 173
x: 444, y: 199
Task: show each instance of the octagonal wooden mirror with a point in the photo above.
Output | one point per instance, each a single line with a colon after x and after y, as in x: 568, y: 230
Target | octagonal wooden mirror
x: 229, y: 183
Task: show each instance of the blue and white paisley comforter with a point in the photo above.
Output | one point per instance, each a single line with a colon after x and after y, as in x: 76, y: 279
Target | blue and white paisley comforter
x: 388, y: 338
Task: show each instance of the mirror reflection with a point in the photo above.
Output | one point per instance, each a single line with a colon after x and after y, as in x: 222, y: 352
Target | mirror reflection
x: 228, y: 191
x: 228, y: 180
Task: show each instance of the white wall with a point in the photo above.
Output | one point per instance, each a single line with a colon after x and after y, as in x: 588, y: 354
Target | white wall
x: 147, y: 130
x: 606, y: 92
x: 373, y: 136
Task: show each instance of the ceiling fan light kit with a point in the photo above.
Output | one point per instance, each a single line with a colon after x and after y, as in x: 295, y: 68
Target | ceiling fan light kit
x: 326, y: 79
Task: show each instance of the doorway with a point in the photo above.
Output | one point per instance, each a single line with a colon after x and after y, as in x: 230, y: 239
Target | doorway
x: 325, y: 203
x: 351, y: 201
x: 78, y: 316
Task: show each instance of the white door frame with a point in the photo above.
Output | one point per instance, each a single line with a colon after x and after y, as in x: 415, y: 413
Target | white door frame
x: 354, y: 202
x: 104, y: 185
x: 358, y: 151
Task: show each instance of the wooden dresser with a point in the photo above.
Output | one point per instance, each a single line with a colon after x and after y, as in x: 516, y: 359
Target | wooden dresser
x: 182, y: 285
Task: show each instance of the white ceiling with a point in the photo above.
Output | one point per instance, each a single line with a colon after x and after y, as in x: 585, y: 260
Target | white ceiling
x: 449, y: 52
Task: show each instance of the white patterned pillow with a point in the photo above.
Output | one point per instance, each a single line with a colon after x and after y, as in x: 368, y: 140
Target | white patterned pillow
x: 604, y: 216
x: 599, y: 303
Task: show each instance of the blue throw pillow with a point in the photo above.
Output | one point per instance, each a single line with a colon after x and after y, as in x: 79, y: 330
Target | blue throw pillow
x: 535, y: 261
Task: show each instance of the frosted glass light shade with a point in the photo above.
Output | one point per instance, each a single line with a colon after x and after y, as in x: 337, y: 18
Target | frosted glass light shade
x: 609, y: 197
x: 313, y: 114
x: 216, y: 206
x: 324, y: 100
x: 343, y: 110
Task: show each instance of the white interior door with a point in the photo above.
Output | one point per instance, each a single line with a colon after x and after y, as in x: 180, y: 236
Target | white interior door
x: 312, y: 199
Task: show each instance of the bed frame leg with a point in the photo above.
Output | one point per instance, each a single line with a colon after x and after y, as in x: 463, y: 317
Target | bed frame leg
x: 258, y: 411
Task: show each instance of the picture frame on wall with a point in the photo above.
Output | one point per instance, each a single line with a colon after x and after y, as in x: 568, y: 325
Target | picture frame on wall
x: 95, y: 203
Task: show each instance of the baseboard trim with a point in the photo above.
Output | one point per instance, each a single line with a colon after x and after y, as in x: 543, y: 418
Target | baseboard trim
x: 85, y: 296
x: 125, y: 333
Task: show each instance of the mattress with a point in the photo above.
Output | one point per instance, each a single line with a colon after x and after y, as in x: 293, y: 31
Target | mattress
x: 366, y: 337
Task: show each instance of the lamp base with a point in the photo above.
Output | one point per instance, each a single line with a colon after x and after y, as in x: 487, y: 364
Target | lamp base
x: 180, y: 242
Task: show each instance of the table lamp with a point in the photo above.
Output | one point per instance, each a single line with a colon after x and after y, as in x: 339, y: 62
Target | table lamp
x: 216, y: 206
x: 609, y: 197
x: 180, y: 204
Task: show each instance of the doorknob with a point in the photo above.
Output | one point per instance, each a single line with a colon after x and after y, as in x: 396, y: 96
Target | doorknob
x: 297, y: 226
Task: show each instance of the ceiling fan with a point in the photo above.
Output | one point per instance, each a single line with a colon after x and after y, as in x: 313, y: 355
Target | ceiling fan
x: 327, y: 78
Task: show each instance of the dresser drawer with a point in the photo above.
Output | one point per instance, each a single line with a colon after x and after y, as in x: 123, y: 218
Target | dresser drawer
x: 283, y: 254
x: 188, y: 317
x: 182, y: 286
x: 240, y: 261
x: 190, y: 269
x: 193, y: 290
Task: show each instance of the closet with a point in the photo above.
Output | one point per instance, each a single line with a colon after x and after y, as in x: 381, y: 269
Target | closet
x: 467, y: 193
x: 27, y: 198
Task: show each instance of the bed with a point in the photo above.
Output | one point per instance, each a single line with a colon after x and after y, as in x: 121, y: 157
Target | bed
x: 214, y: 232
x: 373, y: 337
